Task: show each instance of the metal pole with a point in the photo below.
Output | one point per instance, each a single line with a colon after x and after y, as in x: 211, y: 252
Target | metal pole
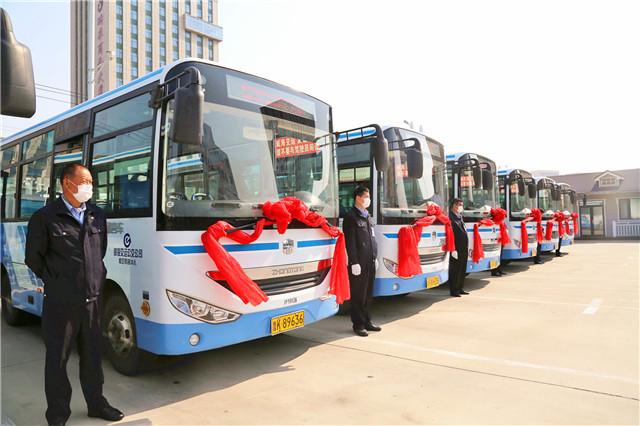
x: 91, y: 72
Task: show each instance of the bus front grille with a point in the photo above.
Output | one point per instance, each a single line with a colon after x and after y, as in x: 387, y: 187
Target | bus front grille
x: 287, y: 284
x: 491, y: 247
x: 431, y: 258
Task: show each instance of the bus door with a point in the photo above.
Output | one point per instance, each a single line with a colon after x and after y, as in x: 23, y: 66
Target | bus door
x: 354, y: 168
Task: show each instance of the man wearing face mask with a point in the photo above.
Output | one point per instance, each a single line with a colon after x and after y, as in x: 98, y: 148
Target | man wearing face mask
x: 65, y: 247
x: 362, y: 252
x: 458, y: 260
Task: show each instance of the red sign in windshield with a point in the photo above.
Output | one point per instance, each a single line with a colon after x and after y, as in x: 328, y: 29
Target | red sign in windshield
x: 291, y: 147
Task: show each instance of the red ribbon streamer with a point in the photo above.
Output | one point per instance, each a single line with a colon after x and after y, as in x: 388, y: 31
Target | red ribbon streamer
x: 576, y: 226
x: 559, y: 217
x: 281, y: 213
x: 499, y: 215
x: 478, y: 250
x: 409, y: 237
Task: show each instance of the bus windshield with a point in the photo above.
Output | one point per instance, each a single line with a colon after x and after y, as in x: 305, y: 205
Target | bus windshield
x: 402, y: 196
x: 567, y: 205
x: 544, y: 201
x: 517, y: 202
x: 261, y: 142
x: 478, y: 196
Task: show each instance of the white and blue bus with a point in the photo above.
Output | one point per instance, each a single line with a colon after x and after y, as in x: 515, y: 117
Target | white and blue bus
x: 171, y: 153
x: 548, y: 203
x: 518, y: 195
x: 472, y: 178
x: 404, y: 171
x: 568, y: 206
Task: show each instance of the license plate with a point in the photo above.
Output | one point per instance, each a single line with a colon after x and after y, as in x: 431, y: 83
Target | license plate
x: 433, y: 282
x: 287, y: 322
x: 493, y: 264
x: 533, y: 253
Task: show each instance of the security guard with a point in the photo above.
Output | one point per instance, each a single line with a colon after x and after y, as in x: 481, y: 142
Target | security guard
x: 362, y: 251
x: 66, y: 242
x: 458, y: 260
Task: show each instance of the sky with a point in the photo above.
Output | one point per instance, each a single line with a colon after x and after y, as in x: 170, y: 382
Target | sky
x: 534, y: 85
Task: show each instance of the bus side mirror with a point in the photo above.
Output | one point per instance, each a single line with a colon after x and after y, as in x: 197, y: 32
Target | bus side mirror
x: 414, y: 163
x: 477, y: 175
x: 380, y: 150
x: 18, y: 89
x: 186, y: 126
x: 487, y: 179
x: 520, y: 187
x: 532, y: 190
x: 572, y: 197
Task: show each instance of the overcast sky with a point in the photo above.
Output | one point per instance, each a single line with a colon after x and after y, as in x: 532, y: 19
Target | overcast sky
x: 533, y: 85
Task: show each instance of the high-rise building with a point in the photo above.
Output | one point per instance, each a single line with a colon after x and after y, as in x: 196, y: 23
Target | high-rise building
x: 135, y: 37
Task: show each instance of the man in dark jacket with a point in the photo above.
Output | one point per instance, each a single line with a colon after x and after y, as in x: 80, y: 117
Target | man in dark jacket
x: 66, y: 242
x: 362, y: 252
x: 458, y: 259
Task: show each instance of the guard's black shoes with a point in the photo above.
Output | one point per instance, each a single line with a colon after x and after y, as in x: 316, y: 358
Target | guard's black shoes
x: 559, y: 254
x: 372, y: 327
x: 455, y: 295
x: 107, y: 412
x: 463, y: 292
x: 538, y: 262
x: 496, y: 274
x: 502, y: 273
x: 360, y: 332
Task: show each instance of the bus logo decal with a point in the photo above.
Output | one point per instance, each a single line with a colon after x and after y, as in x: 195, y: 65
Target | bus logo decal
x: 127, y: 240
x: 287, y: 246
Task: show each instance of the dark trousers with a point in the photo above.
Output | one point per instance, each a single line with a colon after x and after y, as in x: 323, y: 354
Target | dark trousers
x: 361, y: 294
x: 62, y: 325
x: 559, y: 245
x: 458, y: 271
x: 538, y: 256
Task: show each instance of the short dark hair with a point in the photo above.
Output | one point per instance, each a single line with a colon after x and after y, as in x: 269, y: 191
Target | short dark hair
x: 69, y: 171
x: 456, y: 200
x: 360, y: 189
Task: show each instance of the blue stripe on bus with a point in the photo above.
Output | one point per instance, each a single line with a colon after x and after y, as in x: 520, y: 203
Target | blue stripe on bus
x: 480, y: 230
x: 229, y: 247
x: 439, y: 234
x: 315, y: 243
x: 83, y: 105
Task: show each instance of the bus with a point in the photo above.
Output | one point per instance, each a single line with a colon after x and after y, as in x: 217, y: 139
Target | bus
x: 569, y: 207
x: 472, y: 178
x: 405, y: 173
x: 171, y: 153
x: 548, y: 203
x: 518, y: 196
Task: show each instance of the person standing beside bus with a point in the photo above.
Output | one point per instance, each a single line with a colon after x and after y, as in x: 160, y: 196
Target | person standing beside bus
x: 458, y: 260
x: 65, y: 247
x: 362, y: 252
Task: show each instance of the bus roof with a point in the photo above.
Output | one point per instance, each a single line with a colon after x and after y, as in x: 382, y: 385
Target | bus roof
x: 156, y: 75
x: 507, y: 172
x: 456, y: 156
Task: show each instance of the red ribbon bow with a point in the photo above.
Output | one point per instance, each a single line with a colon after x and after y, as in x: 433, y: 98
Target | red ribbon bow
x: 409, y: 237
x: 560, y: 218
x: 576, y: 223
x: 281, y: 213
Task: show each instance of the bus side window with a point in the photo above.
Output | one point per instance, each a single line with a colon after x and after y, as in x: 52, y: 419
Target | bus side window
x: 121, y: 172
x: 8, y: 206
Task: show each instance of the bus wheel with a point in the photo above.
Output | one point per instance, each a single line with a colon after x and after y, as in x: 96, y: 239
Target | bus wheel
x: 12, y: 315
x: 119, y: 331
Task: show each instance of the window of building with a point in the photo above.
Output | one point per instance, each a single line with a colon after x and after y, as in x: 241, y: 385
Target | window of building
x: 134, y: 14
x: 148, y: 64
x: 119, y: 79
x: 210, y: 10
x: 163, y: 25
x: 119, y: 68
x: 147, y: 34
x: 134, y: 30
x: 148, y: 20
x: 187, y: 43
x: 199, y: 46
x: 119, y: 38
x: 121, y: 170
x: 36, y: 190
x: 608, y: 180
x: 148, y: 6
x: 199, y: 8
x: 187, y: 7
x: 134, y: 71
x: 629, y: 209
x: 123, y: 115
x: 134, y: 42
x: 148, y: 48
x: 210, y: 42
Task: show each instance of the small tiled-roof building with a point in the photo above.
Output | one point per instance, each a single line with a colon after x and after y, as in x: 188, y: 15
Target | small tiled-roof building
x: 609, y: 202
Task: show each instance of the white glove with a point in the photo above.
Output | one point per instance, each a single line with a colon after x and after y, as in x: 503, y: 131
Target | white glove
x: 454, y: 254
x: 355, y: 269
x: 376, y: 263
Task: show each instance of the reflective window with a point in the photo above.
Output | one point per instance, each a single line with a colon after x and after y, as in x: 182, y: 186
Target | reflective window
x: 39, y: 145
x: 123, y: 115
x: 66, y: 153
x: 8, y: 203
x: 36, y: 179
x: 9, y: 156
x: 121, y: 171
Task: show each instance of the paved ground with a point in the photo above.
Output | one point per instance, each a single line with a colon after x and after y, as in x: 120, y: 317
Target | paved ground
x: 549, y: 344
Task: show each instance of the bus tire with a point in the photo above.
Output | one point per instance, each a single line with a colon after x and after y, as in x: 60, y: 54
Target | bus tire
x: 119, y: 332
x: 12, y: 315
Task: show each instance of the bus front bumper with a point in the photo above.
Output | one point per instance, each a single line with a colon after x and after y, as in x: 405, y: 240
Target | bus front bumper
x: 396, y: 285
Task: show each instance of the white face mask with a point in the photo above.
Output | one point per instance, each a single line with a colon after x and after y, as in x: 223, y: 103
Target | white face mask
x: 460, y: 209
x: 366, y: 202
x: 84, y: 194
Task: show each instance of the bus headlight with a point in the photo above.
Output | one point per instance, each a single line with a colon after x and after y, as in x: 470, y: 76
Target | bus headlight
x: 200, y: 310
x: 391, y: 266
